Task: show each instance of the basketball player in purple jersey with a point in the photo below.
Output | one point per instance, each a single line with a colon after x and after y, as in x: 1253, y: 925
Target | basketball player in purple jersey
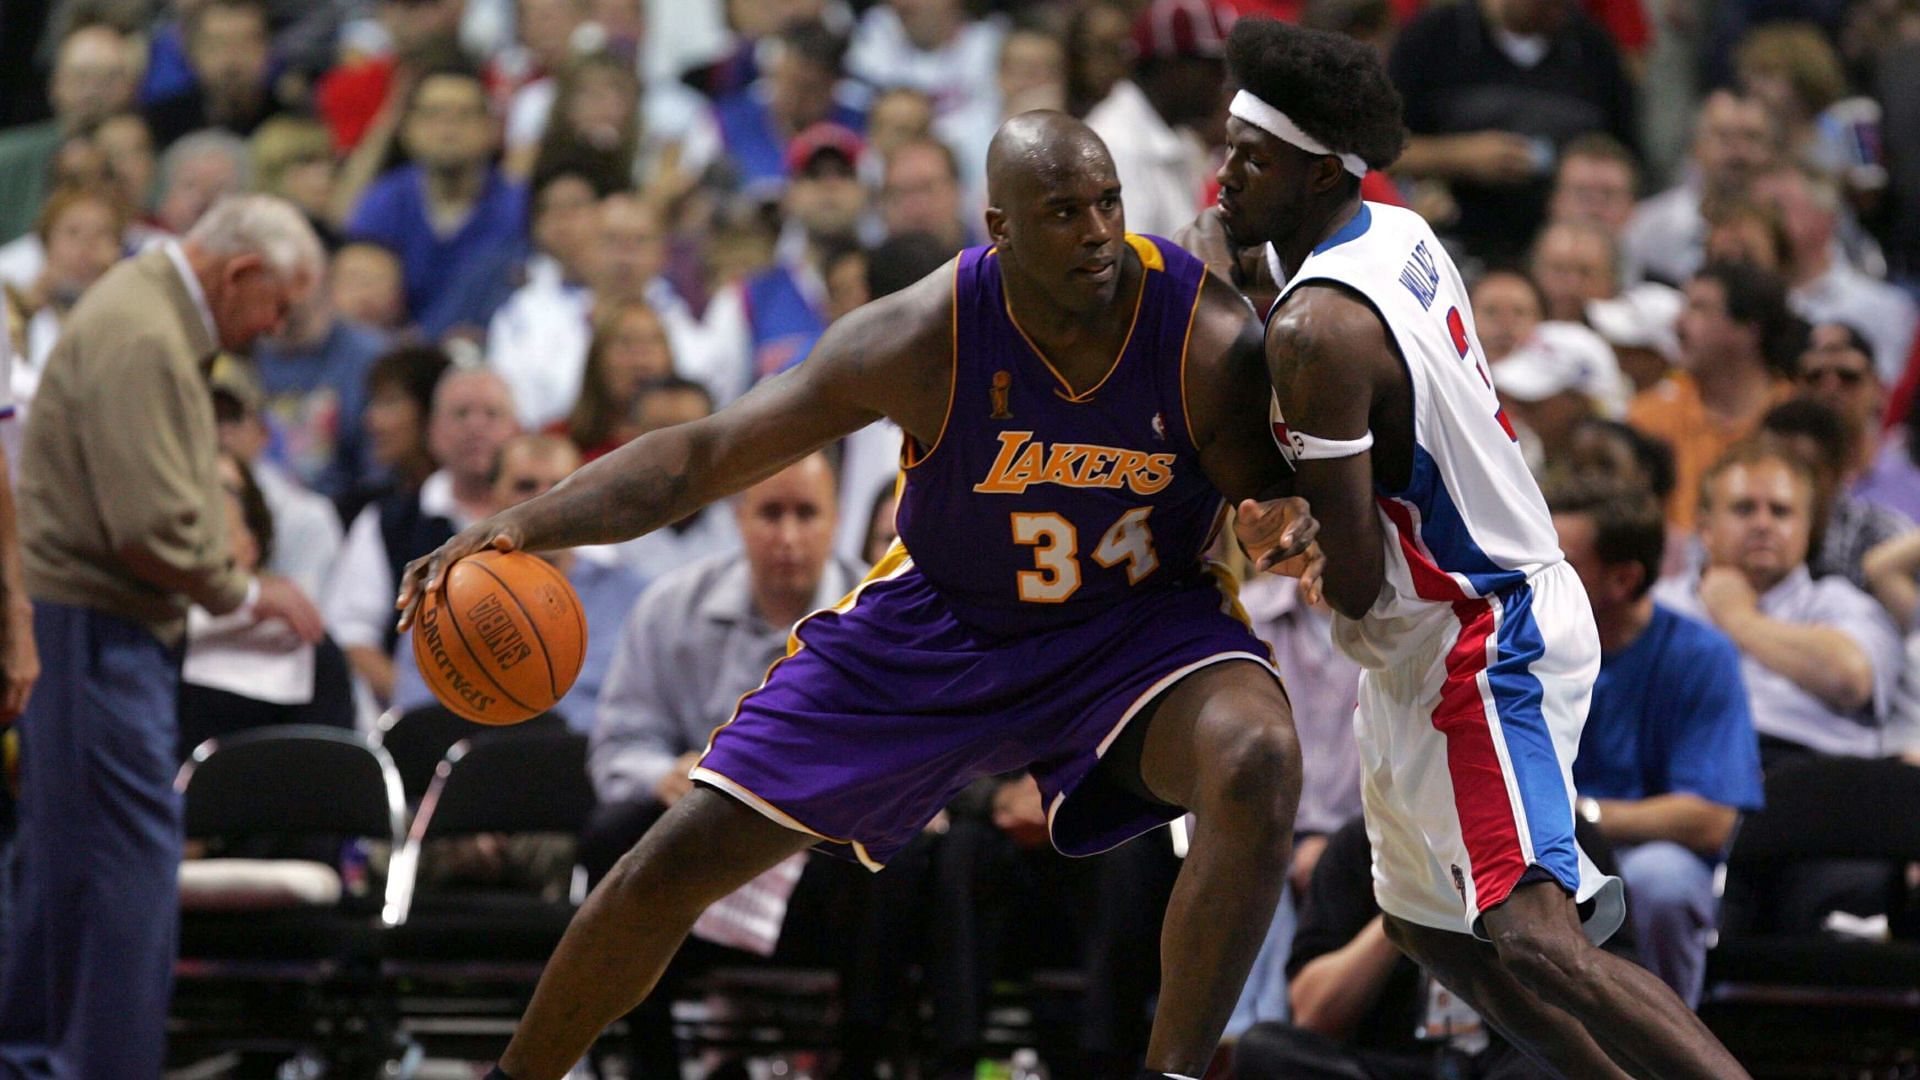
x: 1476, y: 644
x: 1077, y: 402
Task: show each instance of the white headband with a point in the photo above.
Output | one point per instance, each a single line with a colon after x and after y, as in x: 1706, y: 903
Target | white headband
x: 1277, y: 124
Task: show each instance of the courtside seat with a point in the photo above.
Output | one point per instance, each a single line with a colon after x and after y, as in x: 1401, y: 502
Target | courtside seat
x: 463, y: 960
x: 418, y: 740
x: 1818, y: 997
x: 298, y: 975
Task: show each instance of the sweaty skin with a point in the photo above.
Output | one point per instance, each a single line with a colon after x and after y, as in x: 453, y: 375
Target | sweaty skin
x: 892, y: 359
x: 1219, y: 741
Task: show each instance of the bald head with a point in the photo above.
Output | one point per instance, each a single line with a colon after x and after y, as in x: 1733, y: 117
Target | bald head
x: 1054, y: 214
x: 1037, y: 150
x: 472, y: 419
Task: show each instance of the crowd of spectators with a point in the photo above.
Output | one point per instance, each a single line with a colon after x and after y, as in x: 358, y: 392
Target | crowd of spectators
x: 1693, y: 237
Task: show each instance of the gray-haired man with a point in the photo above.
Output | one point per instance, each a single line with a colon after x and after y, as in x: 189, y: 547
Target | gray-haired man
x: 123, y: 526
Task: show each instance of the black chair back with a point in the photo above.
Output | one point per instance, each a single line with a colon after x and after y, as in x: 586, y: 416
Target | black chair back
x: 294, y: 779
x: 536, y: 782
x: 419, y: 740
x: 1836, y: 808
x: 533, y: 782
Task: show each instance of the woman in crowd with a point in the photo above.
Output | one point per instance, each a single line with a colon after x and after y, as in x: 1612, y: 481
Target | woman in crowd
x: 293, y: 158
x: 629, y: 352
x: 243, y: 673
x: 399, y: 397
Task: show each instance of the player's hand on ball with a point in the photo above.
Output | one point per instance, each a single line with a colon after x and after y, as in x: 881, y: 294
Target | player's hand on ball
x: 425, y: 574
x: 1275, y: 533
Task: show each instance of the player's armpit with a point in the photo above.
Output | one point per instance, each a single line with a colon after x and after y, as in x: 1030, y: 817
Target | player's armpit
x: 1226, y: 396
x: 1327, y: 355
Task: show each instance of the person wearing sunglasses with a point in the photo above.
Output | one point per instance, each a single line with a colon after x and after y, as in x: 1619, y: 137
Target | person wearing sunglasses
x: 1836, y: 368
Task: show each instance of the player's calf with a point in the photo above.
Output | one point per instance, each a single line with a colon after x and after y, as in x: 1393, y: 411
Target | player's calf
x: 1475, y: 973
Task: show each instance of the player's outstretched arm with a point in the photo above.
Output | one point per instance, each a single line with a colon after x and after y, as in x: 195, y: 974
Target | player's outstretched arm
x: 1226, y: 393
x: 890, y: 358
x: 1327, y: 356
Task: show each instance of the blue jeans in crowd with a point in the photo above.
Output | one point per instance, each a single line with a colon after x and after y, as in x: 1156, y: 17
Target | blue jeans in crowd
x: 1674, y: 911
x: 88, y: 964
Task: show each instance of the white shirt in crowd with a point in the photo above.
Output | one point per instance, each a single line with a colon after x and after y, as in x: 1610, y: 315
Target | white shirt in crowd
x: 21, y: 260
x: 1666, y: 238
x: 1781, y: 707
x: 1902, y: 732
x: 306, y: 529
x: 958, y: 76
x: 358, y: 602
x: 869, y: 465
x: 712, y: 531
x: 241, y: 654
x: 685, y: 34
x: 538, y: 341
x: 1881, y: 312
x: 1163, y: 171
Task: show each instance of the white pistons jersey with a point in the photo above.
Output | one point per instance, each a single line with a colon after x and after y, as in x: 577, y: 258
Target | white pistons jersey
x: 1472, y: 522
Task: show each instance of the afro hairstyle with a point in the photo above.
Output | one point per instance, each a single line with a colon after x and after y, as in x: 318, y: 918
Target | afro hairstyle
x: 1331, y: 85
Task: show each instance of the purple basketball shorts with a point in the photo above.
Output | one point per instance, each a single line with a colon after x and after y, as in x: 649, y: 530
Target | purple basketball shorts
x: 886, y: 706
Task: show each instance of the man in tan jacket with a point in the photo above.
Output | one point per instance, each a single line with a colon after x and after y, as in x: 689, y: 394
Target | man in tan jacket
x: 123, y: 526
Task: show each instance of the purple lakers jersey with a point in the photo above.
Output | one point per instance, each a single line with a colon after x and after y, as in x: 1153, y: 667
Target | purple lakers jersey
x: 1038, y: 507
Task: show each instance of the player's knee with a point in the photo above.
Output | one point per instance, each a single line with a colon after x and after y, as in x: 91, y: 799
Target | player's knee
x: 1558, y: 966
x: 634, y: 875
x: 662, y: 872
x: 1256, y: 766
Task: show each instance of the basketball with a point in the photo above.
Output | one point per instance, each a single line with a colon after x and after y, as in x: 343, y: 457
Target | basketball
x: 502, y: 640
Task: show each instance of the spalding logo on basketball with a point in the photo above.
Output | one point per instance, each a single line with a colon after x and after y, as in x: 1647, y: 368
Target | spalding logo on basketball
x: 503, y: 640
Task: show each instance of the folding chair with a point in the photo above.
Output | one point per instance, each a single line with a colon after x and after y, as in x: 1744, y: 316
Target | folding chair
x: 464, y: 961
x: 418, y: 740
x: 290, y: 977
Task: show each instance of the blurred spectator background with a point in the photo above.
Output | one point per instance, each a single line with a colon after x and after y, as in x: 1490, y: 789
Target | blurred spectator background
x: 1692, y: 232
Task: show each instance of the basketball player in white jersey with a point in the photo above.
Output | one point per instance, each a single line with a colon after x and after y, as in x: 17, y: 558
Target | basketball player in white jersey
x: 1478, y: 648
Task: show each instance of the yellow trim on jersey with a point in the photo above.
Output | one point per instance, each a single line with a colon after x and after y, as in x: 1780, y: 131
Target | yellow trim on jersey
x: 1229, y: 586
x: 778, y: 816
x: 1186, y: 346
x: 1141, y: 247
x: 1148, y: 251
x: 908, y: 459
x: 894, y: 563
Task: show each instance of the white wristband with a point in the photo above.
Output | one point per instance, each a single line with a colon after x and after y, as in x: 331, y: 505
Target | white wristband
x: 1297, y: 445
x: 1313, y: 448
